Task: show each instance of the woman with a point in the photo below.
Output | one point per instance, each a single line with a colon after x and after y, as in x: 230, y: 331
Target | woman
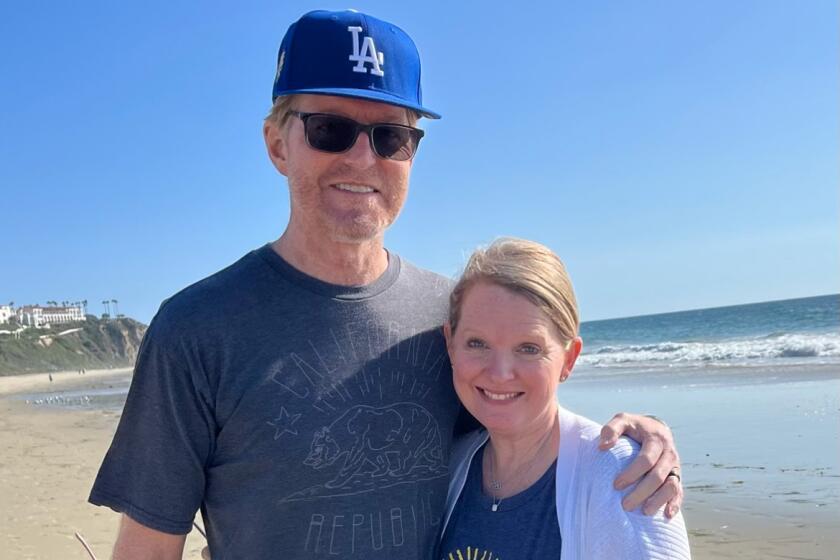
x: 532, y: 483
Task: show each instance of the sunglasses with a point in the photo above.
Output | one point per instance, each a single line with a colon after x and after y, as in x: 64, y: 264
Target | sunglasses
x: 334, y: 134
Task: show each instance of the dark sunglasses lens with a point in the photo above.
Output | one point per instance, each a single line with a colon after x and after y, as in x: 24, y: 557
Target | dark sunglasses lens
x: 330, y: 134
x: 394, y: 142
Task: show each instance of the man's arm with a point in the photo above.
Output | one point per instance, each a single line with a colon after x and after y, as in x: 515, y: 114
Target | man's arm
x: 653, y: 466
x: 135, y: 541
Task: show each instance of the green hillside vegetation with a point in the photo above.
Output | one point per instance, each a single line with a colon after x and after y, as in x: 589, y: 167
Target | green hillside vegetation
x: 101, y: 343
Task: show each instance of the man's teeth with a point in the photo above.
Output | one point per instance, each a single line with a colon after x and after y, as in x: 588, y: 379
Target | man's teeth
x: 355, y: 188
x: 499, y: 396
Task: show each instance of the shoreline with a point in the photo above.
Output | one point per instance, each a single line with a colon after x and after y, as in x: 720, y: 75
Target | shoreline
x: 61, y: 380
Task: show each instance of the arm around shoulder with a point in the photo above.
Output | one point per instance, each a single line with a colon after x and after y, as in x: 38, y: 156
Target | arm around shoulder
x: 135, y: 541
x: 613, y: 532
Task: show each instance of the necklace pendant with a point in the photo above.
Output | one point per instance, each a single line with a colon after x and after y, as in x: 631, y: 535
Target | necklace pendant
x: 494, y: 507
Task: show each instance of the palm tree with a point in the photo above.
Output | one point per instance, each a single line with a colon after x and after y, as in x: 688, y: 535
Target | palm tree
x: 116, y: 309
x: 107, y: 313
x: 84, y: 304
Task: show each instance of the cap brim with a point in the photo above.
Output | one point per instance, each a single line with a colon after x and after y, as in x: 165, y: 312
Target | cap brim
x: 371, y: 95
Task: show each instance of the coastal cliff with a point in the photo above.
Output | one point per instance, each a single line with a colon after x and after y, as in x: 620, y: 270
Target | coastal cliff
x: 91, y: 344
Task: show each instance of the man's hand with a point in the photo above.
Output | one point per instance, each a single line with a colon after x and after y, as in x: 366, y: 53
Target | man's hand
x: 653, y: 467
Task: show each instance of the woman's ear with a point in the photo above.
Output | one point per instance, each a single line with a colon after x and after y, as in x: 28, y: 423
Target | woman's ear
x: 447, y: 333
x: 573, y: 348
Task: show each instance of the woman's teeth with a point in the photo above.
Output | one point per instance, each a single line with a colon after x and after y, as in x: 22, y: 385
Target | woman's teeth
x: 499, y: 396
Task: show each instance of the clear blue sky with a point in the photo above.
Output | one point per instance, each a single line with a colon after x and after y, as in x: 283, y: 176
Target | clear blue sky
x: 676, y: 154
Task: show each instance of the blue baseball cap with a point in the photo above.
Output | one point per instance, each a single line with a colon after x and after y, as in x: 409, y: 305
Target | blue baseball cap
x: 350, y: 54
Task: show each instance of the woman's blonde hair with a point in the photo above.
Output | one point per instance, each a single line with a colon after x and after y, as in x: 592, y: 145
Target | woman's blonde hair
x: 526, y: 268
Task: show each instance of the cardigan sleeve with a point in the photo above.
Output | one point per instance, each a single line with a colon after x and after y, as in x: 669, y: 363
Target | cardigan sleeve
x: 612, y: 533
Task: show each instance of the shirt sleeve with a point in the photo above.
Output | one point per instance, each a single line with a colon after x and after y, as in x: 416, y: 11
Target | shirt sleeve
x: 612, y: 533
x: 154, y: 471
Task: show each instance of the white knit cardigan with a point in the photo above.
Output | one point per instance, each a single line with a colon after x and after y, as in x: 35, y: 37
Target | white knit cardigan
x: 593, y: 525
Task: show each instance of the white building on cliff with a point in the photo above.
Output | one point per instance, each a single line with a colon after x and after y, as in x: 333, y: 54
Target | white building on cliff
x: 6, y: 313
x: 37, y: 316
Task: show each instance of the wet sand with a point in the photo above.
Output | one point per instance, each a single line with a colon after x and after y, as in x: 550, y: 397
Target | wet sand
x: 739, y: 504
x: 760, y: 450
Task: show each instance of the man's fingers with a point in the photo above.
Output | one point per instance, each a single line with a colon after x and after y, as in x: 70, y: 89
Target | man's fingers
x: 613, y: 429
x: 666, y: 493
x: 646, y: 459
x: 675, y: 504
x: 669, y: 495
x: 647, y: 487
x: 651, y: 467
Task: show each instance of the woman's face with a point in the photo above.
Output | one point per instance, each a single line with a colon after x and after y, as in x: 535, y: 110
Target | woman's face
x: 507, y: 360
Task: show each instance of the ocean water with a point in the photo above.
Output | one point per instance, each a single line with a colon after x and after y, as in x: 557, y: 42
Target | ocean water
x: 752, y: 393
x: 803, y: 331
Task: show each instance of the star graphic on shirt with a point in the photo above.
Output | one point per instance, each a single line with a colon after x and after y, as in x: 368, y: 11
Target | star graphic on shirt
x: 284, y: 423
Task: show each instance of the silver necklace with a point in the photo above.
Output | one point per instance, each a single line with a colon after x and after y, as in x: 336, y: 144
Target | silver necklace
x: 496, y: 484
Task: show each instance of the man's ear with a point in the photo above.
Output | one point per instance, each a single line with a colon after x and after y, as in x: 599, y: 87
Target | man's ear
x: 275, y: 145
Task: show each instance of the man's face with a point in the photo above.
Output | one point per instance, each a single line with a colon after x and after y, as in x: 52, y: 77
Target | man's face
x: 348, y: 197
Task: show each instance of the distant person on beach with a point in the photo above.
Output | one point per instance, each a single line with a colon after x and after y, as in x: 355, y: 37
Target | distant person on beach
x: 302, y: 397
x: 532, y: 482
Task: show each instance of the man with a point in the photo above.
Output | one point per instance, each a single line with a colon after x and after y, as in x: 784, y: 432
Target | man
x: 302, y: 397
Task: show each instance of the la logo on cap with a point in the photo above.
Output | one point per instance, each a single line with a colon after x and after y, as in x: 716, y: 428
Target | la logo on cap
x: 313, y: 59
x: 367, y: 53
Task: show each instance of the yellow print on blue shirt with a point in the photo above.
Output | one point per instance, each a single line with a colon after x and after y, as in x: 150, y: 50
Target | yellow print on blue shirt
x: 471, y: 554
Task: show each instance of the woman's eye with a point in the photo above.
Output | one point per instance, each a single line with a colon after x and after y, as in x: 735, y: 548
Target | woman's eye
x: 530, y: 349
x: 475, y: 343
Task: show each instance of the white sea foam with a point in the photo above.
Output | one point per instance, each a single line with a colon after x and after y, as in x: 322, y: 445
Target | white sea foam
x: 809, y: 348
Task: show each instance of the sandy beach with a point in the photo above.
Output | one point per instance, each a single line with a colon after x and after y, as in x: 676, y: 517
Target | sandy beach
x: 51, y: 455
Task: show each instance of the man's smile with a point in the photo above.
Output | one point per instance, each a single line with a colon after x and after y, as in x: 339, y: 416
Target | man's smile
x: 355, y: 188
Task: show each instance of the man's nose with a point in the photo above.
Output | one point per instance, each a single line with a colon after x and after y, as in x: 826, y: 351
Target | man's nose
x: 361, y: 153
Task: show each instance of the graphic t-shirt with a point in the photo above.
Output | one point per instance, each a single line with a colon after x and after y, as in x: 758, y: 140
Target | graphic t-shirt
x: 524, y: 526
x: 304, y: 419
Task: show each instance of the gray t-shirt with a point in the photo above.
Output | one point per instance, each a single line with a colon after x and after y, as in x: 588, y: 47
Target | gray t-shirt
x: 305, y: 419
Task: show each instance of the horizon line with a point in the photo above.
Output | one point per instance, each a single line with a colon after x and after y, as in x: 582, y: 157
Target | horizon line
x: 706, y: 308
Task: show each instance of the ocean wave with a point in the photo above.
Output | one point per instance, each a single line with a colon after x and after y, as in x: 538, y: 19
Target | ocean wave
x: 802, y: 346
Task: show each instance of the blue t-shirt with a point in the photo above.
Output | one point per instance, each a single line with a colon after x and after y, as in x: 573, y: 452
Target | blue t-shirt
x: 524, y: 526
